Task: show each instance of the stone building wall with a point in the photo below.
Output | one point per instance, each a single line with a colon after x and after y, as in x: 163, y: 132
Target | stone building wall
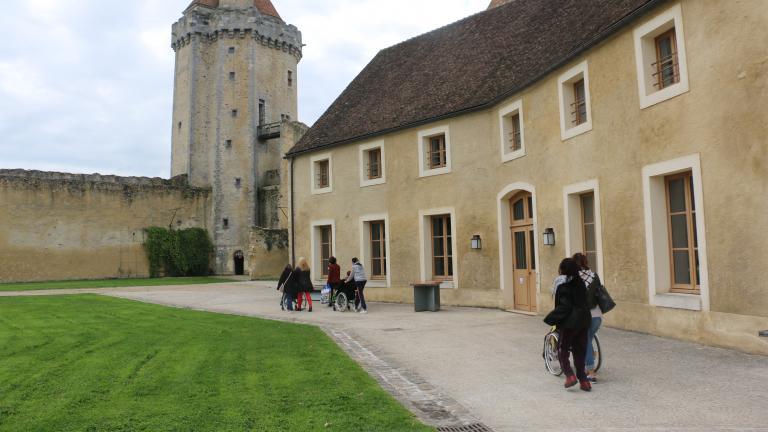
x: 56, y: 226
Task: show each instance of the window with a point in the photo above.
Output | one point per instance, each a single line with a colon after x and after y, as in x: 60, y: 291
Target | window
x: 683, y: 239
x: 179, y: 125
x: 589, y: 229
x: 290, y: 78
x: 575, y: 108
x: 667, y: 68
x: 231, y: 50
x: 675, y: 234
x: 262, y: 112
x: 579, y: 105
x: 434, y: 152
x: 323, y: 246
x: 234, y: 113
x: 228, y: 144
x: 326, y: 248
x: 512, y: 137
x: 378, y: 255
x: 231, y: 76
x: 238, y: 182
x: 225, y: 223
x: 372, y: 164
x: 442, y: 248
x: 662, y: 70
x: 322, y: 174
x: 583, y: 224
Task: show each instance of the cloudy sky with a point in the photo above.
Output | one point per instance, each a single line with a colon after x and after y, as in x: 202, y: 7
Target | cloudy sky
x: 86, y: 85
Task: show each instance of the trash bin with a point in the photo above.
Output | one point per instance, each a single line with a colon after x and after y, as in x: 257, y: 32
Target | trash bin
x: 426, y: 297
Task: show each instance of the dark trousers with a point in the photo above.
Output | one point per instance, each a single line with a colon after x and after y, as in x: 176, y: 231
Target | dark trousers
x: 574, y: 340
x: 360, y: 300
x: 334, y: 289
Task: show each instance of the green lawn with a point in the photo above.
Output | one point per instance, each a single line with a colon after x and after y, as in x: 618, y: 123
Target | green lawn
x: 92, y: 363
x: 109, y: 283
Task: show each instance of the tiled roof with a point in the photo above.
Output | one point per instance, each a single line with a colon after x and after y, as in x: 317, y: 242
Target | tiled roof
x: 468, y: 65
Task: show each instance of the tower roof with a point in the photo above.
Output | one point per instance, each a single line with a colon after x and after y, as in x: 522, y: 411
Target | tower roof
x: 497, y: 3
x: 264, y: 6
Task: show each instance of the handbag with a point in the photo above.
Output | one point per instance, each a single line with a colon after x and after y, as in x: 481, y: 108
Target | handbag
x: 604, y: 300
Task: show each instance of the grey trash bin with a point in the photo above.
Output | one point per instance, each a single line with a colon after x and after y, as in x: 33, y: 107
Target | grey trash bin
x: 426, y: 297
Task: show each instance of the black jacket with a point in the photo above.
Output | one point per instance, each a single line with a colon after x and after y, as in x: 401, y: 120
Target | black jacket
x: 291, y: 287
x: 303, y: 281
x: 571, y: 308
x: 283, y: 277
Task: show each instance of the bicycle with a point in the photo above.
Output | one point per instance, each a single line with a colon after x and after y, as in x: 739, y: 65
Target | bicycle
x: 549, y: 353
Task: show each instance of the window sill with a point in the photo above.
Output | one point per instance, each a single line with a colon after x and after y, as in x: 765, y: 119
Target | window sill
x: 372, y: 182
x: 508, y: 157
x: 678, y: 301
x: 377, y: 283
x: 576, y: 130
x: 447, y: 285
x: 322, y: 191
x: 435, y: 172
x: 657, y: 97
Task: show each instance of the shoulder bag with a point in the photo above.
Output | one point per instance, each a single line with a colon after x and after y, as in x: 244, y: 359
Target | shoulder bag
x: 604, y: 299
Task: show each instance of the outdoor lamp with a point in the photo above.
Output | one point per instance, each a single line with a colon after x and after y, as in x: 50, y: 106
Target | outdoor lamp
x: 549, y: 237
x: 477, y: 242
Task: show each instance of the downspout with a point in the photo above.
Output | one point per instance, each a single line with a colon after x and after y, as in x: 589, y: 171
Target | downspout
x: 293, y: 222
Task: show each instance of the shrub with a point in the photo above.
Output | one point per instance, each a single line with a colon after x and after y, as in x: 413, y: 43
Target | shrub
x: 178, y: 253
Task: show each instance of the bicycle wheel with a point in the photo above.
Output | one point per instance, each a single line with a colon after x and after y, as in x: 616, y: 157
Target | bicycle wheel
x: 551, y: 360
x: 597, y: 352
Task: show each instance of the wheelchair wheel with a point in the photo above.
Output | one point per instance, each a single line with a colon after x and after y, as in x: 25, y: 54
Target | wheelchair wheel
x: 341, y: 303
x: 598, y: 353
x: 551, y: 360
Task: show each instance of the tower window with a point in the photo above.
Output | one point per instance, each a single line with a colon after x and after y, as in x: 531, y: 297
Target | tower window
x: 234, y: 113
x: 262, y: 112
x: 238, y: 182
x: 290, y: 78
x: 232, y: 76
x: 231, y: 50
x: 228, y: 143
x: 179, y: 125
x: 225, y: 222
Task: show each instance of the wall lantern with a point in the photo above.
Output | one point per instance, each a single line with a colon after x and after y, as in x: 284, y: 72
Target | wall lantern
x: 549, y: 237
x: 764, y: 333
x: 477, y: 242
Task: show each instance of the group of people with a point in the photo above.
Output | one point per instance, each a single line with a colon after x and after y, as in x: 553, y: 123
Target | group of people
x: 578, y: 316
x: 296, y: 284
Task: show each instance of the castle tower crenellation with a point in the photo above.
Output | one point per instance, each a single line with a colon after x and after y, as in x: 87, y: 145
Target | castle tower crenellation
x: 236, y: 72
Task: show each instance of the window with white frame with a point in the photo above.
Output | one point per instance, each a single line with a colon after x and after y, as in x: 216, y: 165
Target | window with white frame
x: 374, y: 248
x: 323, y: 244
x: 322, y: 174
x: 434, y: 148
x: 372, y: 166
x: 676, y: 246
x: 662, y: 69
x: 512, y: 135
x: 575, y: 104
x: 582, y: 222
x: 438, y: 246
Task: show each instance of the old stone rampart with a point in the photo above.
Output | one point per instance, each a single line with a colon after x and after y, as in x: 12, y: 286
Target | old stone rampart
x: 58, y: 226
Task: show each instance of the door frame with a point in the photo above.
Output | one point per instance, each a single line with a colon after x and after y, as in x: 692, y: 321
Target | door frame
x: 506, y: 272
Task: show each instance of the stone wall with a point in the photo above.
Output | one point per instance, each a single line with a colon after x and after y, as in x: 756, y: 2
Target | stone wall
x: 57, y: 226
x: 268, y: 253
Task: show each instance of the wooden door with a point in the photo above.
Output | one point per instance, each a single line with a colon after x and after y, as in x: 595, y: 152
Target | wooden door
x: 523, y: 252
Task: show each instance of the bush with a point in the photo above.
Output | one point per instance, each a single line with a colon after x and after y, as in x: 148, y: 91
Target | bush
x: 178, y: 253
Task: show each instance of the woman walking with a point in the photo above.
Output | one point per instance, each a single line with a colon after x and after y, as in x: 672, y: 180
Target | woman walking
x: 592, y: 282
x: 281, y: 286
x: 334, y: 277
x: 571, y: 316
x: 358, y: 275
x: 304, y: 283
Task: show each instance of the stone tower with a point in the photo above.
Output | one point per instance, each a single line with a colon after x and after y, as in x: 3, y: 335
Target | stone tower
x: 235, y: 87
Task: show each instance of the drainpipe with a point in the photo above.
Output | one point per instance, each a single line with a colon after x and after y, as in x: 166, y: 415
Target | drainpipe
x: 293, y: 222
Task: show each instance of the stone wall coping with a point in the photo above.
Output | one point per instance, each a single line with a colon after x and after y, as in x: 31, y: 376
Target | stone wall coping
x: 178, y: 182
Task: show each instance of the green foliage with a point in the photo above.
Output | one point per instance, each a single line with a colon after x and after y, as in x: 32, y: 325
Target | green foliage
x: 178, y: 253
x: 92, y: 363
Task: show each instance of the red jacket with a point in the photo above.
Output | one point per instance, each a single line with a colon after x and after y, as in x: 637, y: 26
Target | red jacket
x: 334, y: 273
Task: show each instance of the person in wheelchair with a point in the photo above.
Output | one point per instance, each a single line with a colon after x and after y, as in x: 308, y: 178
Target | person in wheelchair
x: 344, y: 295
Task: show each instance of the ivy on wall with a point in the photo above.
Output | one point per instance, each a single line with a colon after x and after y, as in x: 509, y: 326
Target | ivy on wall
x: 178, y: 253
